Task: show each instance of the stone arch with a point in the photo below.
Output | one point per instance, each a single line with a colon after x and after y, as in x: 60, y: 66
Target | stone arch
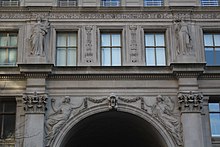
x: 60, y: 138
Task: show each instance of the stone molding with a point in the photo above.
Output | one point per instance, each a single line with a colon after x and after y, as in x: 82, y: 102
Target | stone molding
x: 190, y: 101
x: 93, y: 13
x: 35, y: 102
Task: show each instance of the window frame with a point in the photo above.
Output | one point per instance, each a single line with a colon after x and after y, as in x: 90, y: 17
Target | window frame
x: 208, y: 3
x: 216, y: 100
x: 66, y: 48
x: 67, y: 3
x: 213, y: 48
x: 155, y: 47
x: 153, y: 3
x: 9, y: 3
x: 110, y: 47
x: 11, y: 140
x: 103, y: 3
x: 7, y: 48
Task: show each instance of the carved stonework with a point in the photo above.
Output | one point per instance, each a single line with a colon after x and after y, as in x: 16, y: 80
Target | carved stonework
x: 37, y: 38
x: 183, y: 36
x: 190, y: 101
x: 88, y: 52
x: 133, y: 44
x: 163, y: 111
x: 35, y: 103
x: 56, y: 120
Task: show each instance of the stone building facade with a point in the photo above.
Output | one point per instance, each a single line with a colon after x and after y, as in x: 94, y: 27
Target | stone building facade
x: 109, y: 72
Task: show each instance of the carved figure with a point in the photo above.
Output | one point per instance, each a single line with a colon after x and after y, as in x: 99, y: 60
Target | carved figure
x: 57, y: 119
x: 163, y: 111
x: 38, y: 36
x: 183, y: 38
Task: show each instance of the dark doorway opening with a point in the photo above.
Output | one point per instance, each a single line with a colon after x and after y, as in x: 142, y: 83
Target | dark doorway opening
x: 113, y: 129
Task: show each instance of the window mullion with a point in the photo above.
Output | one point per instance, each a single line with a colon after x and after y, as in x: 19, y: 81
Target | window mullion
x: 66, y: 50
x: 2, y: 126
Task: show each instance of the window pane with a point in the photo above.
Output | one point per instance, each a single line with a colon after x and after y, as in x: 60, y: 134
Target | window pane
x: 3, y: 58
x: 208, y: 40
x: 9, y: 126
x: 116, y: 57
x: 3, y: 39
x: 106, y: 57
x: 13, y: 40
x: 61, y: 39
x: 12, y: 53
x: 160, y: 52
x: 160, y: 40
x: 217, y: 56
x: 1, y: 107
x: 214, y: 107
x: 10, y: 107
x: 105, y: 40
x: 149, y: 40
x: 72, y: 39
x: 71, y: 59
x: 150, y: 56
x: 61, y: 57
x: 1, y: 126
x: 215, y: 124
x: 209, y: 55
x: 116, y: 40
x: 217, y: 39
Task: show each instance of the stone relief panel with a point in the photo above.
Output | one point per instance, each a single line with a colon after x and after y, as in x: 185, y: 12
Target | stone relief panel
x: 59, y: 117
x: 88, y: 55
x: 35, y: 102
x: 161, y: 108
x: 133, y: 44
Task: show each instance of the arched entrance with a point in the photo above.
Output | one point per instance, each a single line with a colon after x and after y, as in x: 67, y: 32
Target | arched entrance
x: 126, y: 126
x: 112, y: 128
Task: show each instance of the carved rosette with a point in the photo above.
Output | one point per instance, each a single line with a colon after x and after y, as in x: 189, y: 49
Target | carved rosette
x: 190, y: 101
x: 35, y: 102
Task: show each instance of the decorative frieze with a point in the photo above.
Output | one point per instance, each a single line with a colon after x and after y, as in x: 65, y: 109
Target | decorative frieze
x: 35, y: 102
x: 109, y: 15
x: 190, y: 101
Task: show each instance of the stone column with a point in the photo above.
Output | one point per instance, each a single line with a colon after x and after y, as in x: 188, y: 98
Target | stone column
x: 34, y: 106
x: 190, y: 105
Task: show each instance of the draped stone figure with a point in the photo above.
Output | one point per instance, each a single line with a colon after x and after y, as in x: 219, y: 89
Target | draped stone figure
x: 38, y: 36
x: 183, y: 38
x: 60, y: 116
x: 163, y: 111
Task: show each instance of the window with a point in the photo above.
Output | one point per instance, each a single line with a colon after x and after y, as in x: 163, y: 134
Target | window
x: 209, y: 2
x: 67, y: 3
x: 7, y: 122
x: 212, y: 48
x: 9, y: 2
x: 155, y: 49
x: 110, y: 3
x: 8, y: 48
x: 153, y: 2
x: 214, y: 113
x: 111, y: 49
x: 66, y: 49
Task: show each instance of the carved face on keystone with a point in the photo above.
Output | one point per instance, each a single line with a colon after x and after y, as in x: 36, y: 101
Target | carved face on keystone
x: 66, y: 99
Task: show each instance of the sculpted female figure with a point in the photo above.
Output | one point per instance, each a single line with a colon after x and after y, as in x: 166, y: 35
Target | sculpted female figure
x: 57, y: 119
x: 37, y: 38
